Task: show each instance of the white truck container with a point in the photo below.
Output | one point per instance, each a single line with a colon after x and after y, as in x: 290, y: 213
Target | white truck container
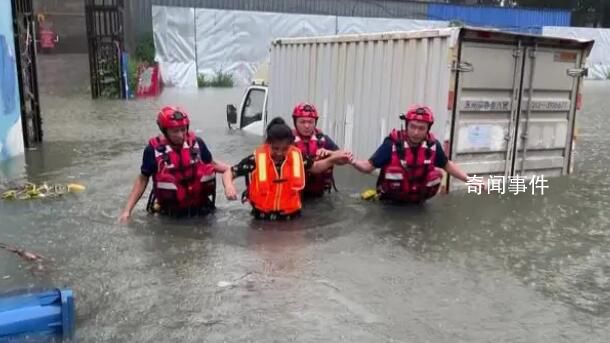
x: 477, y: 81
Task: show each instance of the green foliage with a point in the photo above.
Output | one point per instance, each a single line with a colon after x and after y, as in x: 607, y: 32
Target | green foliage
x: 133, y: 74
x: 145, y: 48
x: 109, y: 76
x: 220, y: 79
x: 201, y: 81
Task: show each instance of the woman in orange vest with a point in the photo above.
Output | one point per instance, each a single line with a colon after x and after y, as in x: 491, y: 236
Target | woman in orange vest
x: 275, y: 173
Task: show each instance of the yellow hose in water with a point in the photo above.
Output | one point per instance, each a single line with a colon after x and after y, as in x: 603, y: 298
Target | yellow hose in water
x: 369, y: 194
x: 32, y: 191
x: 75, y: 187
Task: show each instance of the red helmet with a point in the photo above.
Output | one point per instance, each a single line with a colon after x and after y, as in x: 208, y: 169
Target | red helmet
x: 420, y: 113
x: 170, y: 117
x: 305, y: 110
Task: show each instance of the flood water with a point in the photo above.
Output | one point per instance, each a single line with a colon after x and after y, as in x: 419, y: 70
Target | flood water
x: 463, y: 268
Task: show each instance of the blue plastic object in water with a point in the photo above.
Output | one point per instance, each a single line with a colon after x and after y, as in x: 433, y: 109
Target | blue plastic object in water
x: 45, y: 313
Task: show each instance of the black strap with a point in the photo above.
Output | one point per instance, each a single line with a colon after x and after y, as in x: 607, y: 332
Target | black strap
x: 321, y: 140
x: 150, y: 205
x: 162, y: 149
x: 192, y: 151
x: 244, y: 195
x: 428, y: 156
x: 400, y: 150
x: 334, y: 185
x: 195, y: 153
x: 307, y: 152
x: 413, y: 177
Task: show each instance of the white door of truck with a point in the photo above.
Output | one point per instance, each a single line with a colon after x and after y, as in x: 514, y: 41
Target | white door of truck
x: 545, y: 125
x: 488, y: 91
x: 496, y: 130
x: 253, y: 110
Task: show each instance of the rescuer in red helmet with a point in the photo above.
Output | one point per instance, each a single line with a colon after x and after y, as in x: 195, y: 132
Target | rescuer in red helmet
x: 410, y: 159
x: 182, y: 169
x: 315, y: 145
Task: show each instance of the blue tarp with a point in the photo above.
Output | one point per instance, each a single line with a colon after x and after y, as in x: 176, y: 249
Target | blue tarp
x: 11, y: 138
x: 8, y: 80
x: 508, y: 19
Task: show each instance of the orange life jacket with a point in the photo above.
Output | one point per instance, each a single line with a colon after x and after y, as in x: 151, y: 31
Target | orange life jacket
x: 273, y: 193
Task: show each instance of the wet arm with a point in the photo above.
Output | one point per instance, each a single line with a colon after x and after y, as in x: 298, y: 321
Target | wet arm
x: 335, y: 157
x: 455, y: 171
x: 363, y: 166
x: 225, y: 169
x: 320, y: 166
x: 227, y: 178
x: 137, y: 190
x: 380, y: 158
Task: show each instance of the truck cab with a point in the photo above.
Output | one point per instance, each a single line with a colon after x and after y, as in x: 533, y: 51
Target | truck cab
x: 251, y: 116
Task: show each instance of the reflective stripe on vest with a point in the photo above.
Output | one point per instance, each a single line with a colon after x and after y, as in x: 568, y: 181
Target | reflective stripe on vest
x: 166, y: 185
x: 261, y: 164
x: 433, y: 182
x: 296, y: 168
x: 393, y: 176
x: 206, y: 178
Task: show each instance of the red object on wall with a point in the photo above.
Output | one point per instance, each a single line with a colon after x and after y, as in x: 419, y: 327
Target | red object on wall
x: 149, y: 80
x: 47, y: 38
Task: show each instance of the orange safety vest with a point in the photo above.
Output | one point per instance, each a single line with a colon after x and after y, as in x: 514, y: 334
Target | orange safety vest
x: 271, y: 193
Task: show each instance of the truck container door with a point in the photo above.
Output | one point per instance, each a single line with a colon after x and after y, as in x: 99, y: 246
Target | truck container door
x: 545, y: 125
x: 487, y: 101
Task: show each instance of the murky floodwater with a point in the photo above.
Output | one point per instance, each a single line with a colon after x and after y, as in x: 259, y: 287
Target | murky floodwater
x: 462, y: 269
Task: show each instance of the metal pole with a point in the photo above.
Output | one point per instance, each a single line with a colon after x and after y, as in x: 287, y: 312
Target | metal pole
x: 514, y: 109
x: 524, y: 135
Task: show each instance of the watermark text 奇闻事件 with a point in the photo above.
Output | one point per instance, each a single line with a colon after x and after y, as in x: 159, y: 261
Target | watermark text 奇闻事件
x: 507, y: 185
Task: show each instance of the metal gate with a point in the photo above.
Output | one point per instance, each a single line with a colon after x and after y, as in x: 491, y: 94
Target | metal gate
x: 105, y: 38
x: 24, y: 30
